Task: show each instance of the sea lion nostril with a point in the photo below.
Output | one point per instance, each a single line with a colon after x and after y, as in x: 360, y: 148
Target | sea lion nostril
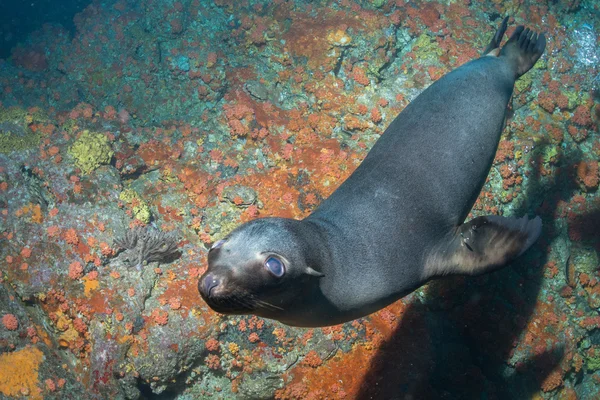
x: 207, y: 284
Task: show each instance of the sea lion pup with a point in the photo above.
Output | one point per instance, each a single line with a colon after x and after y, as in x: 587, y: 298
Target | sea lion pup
x: 397, y: 221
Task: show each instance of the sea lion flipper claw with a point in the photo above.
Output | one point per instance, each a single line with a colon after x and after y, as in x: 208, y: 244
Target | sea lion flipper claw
x: 483, y: 244
x: 523, y: 49
x: 497, y: 39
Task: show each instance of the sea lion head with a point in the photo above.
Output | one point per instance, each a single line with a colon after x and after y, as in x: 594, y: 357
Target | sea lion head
x: 260, y: 268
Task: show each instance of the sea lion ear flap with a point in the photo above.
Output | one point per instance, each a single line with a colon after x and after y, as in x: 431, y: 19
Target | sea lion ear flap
x: 482, y: 245
x: 312, y: 272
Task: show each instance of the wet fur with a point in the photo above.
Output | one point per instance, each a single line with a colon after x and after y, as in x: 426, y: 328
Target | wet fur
x: 393, y: 224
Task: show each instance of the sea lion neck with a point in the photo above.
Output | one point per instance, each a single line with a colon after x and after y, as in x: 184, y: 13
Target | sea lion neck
x: 315, y: 233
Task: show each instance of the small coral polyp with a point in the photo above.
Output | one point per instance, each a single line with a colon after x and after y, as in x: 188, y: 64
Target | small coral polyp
x: 90, y: 151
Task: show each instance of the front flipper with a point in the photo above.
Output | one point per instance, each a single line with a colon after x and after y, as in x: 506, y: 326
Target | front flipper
x: 482, y: 245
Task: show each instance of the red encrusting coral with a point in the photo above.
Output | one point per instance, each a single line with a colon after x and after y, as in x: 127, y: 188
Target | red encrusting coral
x: 588, y: 174
x: 10, y: 322
x: 315, y: 108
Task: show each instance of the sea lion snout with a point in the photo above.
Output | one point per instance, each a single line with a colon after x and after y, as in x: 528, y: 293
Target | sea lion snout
x: 207, y: 284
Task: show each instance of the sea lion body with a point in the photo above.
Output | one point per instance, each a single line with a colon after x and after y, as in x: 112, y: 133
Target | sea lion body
x: 415, y: 186
x: 397, y: 221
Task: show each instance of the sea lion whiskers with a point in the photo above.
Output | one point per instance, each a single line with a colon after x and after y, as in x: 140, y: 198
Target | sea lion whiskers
x: 266, y: 304
x: 235, y: 300
x: 240, y: 298
x: 243, y: 299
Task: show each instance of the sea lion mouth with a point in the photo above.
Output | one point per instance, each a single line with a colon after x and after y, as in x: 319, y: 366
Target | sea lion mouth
x: 236, y: 301
x: 229, y: 303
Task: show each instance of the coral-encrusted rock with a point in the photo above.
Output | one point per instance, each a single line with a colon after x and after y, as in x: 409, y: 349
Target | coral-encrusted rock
x: 167, y: 19
x: 178, y: 344
x: 588, y: 175
x: 29, y: 364
x: 241, y: 196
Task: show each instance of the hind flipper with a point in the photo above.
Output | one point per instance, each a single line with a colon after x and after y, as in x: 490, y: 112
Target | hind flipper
x: 523, y: 49
x: 482, y: 245
x: 497, y: 39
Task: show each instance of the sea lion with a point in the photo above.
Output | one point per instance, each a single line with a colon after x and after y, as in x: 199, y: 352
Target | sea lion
x: 397, y: 221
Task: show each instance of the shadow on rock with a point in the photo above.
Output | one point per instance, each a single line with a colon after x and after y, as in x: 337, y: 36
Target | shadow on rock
x: 460, y: 342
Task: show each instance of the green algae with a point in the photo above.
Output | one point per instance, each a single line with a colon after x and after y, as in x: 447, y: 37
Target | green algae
x: 12, y: 138
x: 592, y: 362
x: 574, y: 99
x: 19, y: 115
x: 550, y: 155
x: 524, y: 83
x: 426, y: 47
x: 69, y: 126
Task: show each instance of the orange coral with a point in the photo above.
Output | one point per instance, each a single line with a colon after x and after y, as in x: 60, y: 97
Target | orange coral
x: 50, y: 385
x: 175, y: 303
x: 75, y: 270
x: 10, y: 322
x: 105, y: 249
x: 506, y: 150
x: 546, y: 101
x: 26, y: 252
x: 582, y: 116
x: 376, y: 115
x: 212, y: 344
x: 53, y: 231
x: 212, y: 361
x: 587, y: 174
x: 577, y: 134
x: 352, y: 123
x: 79, y: 325
x: 71, y: 236
x: 552, y: 381
x: 360, y: 76
x: 19, y: 372
x: 253, y: 337
x: 312, y: 359
x: 252, y: 211
x: 160, y: 317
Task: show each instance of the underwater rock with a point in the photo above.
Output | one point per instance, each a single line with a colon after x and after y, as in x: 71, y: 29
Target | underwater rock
x: 241, y: 196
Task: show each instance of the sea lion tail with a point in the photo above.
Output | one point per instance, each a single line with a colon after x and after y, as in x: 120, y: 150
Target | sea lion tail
x: 523, y: 49
x: 482, y: 245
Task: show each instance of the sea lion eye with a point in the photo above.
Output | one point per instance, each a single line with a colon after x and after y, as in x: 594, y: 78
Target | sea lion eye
x: 275, y: 266
x: 217, y: 244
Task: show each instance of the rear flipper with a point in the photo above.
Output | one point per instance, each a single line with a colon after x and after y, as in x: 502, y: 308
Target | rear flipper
x: 523, y: 49
x: 494, y: 47
x: 482, y: 245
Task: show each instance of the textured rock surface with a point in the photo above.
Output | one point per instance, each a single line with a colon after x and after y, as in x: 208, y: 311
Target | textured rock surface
x: 215, y: 113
